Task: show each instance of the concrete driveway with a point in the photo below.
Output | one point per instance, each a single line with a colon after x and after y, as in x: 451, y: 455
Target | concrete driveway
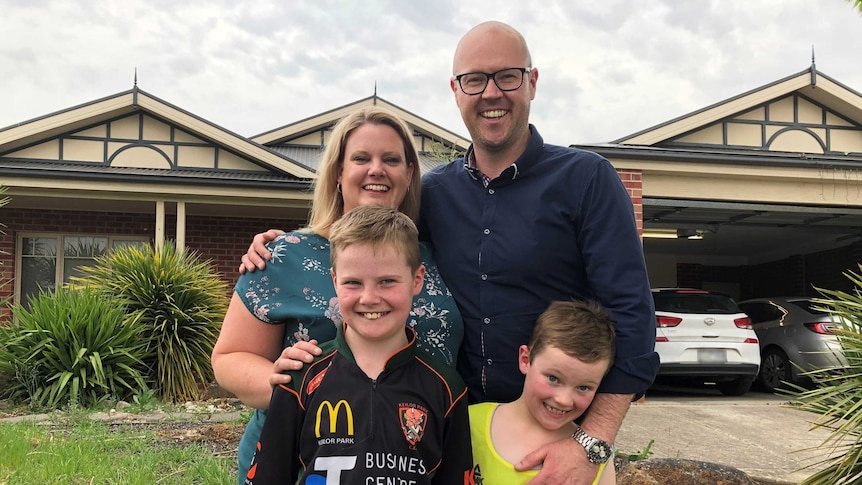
x: 756, y: 433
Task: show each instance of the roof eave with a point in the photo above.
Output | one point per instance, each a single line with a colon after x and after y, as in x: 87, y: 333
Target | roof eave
x: 754, y: 158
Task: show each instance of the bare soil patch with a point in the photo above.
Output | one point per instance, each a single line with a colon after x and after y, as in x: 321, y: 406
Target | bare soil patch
x: 219, y: 438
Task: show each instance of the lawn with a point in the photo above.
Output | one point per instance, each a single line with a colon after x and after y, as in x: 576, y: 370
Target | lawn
x: 95, y: 452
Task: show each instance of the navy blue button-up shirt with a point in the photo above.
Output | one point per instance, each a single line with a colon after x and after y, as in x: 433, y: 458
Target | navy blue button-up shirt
x: 556, y: 225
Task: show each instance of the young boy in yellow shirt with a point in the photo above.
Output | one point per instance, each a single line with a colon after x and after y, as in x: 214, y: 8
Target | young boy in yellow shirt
x: 569, y: 353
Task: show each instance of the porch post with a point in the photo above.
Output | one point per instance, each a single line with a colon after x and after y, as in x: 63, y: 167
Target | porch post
x: 181, y: 226
x: 160, y: 225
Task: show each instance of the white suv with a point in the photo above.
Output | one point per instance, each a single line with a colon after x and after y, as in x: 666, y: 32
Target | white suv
x: 703, y: 335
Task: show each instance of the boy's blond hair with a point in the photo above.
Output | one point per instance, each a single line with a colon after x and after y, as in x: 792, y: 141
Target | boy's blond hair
x: 328, y: 203
x: 583, y: 330
x: 376, y: 226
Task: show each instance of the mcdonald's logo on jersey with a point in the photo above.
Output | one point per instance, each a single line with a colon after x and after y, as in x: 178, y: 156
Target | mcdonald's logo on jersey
x: 333, y: 415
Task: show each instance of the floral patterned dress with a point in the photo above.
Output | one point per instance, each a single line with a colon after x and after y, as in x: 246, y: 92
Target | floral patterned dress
x: 295, y: 289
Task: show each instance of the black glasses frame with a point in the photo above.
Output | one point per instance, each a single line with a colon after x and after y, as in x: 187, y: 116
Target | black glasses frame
x: 493, y: 75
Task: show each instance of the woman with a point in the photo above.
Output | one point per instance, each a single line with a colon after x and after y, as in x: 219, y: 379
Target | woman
x: 370, y: 159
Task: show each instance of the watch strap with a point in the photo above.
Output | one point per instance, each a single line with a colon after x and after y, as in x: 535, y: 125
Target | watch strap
x: 598, y: 451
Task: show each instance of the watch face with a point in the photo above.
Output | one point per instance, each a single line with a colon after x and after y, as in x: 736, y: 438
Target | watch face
x: 599, y: 452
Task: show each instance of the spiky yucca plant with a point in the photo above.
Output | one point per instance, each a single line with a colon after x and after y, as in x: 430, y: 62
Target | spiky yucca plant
x: 837, y: 395
x: 70, y: 347
x: 175, y: 299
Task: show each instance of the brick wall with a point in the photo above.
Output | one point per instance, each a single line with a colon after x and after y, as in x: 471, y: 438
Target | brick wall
x: 825, y: 269
x: 777, y: 278
x: 633, y: 181
x: 221, y: 239
x: 224, y: 240
x: 793, y: 276
x: 688, y: 275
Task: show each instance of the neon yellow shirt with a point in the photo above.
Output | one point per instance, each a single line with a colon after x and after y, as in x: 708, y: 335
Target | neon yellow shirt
x: 487, y: 463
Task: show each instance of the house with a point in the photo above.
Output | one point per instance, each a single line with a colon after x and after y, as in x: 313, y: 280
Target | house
x: 760, y: 194
x: 132, y: 167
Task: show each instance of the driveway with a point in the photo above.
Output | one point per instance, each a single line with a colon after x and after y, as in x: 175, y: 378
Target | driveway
x: 756, y: 433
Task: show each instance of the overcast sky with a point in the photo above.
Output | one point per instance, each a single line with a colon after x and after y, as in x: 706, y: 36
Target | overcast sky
x: 607, y: 68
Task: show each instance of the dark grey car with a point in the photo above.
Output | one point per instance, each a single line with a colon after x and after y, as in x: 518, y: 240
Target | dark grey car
x: 794, y: 337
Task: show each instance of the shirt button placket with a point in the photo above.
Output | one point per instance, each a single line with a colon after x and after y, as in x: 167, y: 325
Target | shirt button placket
x: 487, y: 221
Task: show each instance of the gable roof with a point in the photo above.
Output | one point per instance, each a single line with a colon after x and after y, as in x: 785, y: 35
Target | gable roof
x: 810, y: 85
x: 303, y: 140
x: 32, y: 132
x: 313, y: 123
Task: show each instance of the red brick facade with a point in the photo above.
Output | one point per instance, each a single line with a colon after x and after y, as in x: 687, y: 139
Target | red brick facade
x: 220, y: 239
x: 633, y: 181
x: 223, y: 240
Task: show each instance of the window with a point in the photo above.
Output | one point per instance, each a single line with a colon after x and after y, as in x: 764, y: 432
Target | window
x: 51, y: 260
x: 760, y: 312
x: 694, y: 303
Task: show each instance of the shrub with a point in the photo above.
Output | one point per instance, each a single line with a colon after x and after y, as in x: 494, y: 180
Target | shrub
x: 837, y: 395
x: 70, y: 347
x: 173, y: 298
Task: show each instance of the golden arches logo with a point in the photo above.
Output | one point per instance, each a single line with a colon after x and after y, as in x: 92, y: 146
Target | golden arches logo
x: 333, y: 417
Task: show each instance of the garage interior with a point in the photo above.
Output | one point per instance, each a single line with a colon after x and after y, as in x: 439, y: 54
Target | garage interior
x: 751, y: 250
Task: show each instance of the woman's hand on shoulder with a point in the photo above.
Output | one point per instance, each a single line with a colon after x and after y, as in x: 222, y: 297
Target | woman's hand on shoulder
x: 293, y: 358
x: 257, y: 254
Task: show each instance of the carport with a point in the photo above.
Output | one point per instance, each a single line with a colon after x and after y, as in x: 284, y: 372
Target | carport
x: 757, y: 195
x: 702, y: 230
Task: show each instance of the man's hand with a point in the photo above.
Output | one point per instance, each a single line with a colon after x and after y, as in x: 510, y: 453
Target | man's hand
x: 257, y: 254
x: 563, y: 462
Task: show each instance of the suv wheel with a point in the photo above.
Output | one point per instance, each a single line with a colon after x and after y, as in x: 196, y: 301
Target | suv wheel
x: 736, y: 387
x: 774, y: 369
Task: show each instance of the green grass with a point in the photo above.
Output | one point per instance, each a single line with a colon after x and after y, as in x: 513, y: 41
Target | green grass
x: 92, y: 452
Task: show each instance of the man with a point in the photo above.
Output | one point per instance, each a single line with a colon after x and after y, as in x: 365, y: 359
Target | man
x: 517, y: 224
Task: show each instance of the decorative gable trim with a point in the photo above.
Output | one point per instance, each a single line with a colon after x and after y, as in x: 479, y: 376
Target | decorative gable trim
x: 81, y: 119
x: 136, y: 140
x: 811, y: 85
x: 313, y: 129
x: 792, y: 123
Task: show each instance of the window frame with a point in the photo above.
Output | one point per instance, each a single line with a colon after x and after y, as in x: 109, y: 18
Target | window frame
x: 60, y: 238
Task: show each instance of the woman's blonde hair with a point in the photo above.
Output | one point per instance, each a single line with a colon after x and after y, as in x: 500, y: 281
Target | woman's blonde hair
x: 328, y: 203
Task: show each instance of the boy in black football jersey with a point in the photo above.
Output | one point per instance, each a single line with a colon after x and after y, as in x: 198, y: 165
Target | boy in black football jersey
x: 373, y: 407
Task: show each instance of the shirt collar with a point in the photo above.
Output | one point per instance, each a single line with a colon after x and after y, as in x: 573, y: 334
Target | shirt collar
x: 527, y: 159
x: 399, y: 358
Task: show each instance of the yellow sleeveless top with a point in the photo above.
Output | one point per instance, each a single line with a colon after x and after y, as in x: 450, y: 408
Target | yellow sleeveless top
x: 487, y: 463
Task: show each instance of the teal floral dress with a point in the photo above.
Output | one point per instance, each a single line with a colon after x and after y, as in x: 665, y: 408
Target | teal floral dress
x: 295, y: 289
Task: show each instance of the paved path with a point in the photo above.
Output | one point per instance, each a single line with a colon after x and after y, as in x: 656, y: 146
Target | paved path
x: 755, y: 433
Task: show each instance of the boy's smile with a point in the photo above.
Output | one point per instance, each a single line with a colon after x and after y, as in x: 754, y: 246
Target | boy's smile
x: 375, y: 288
x: 558, y: 387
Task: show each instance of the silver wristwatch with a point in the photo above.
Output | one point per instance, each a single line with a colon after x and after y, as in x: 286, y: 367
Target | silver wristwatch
x: 598, y: 451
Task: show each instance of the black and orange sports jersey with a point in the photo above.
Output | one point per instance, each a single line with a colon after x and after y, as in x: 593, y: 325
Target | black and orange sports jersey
x: 334, y: 425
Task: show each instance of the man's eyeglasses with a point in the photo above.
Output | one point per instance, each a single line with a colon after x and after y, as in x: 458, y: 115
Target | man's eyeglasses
x: 509, y: 79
